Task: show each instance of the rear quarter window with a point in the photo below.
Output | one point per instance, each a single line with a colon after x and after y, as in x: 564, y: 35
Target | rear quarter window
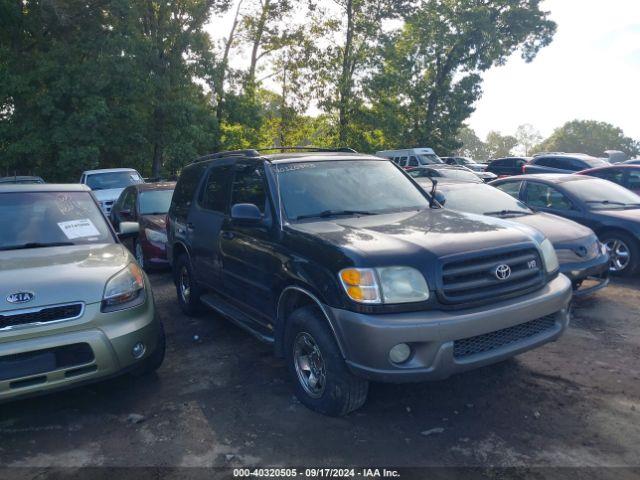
x: 186, y: 189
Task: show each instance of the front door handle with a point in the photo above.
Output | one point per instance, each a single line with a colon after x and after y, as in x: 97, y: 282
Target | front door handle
x: 190, y: 227
x: 228, y: 235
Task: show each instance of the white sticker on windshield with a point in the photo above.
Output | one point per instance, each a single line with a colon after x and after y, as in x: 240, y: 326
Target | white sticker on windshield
x: 79, y: 229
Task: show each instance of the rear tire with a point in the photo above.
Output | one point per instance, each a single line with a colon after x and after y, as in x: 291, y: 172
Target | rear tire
x: 187, y: 288
x: 624, y: 251
x: 322, y: 380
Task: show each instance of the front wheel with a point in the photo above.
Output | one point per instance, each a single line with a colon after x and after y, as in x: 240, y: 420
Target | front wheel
x: 624, y: 253
x: 322, y: 380
x: 187, y: 288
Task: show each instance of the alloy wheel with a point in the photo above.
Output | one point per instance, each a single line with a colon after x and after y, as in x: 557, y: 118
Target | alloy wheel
x: 619, y: 253
x: 309, y: 365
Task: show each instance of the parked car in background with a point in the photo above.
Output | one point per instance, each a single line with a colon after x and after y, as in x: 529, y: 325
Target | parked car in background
x: 582, y: 257
x: 507, y: 167
x: 616, y: 156
x: 147, y: 204
x: 354, y: 273
x: 20, y: 180
x: 625, y: 175
x: 412, y: 157
x: 611, y: 211
x: 635, y: 161
x: 465, y: 162
x: 441, y: 172
x: 107, y: 184
x: 74, y: 305
x: 562, y: 163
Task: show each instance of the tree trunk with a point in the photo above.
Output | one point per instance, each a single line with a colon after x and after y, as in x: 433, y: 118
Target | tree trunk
x: 257, y: 41
x: 344, y: 88
x: 222, y: 77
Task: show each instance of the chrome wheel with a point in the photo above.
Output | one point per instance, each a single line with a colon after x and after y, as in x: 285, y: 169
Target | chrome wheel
x: 185, y: 284
x: 309, y: 365
x: 139, y: 255
x: 619, y: 253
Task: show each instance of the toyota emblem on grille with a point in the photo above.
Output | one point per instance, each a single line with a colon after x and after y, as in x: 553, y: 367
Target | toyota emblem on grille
x: 20, y: 297
x: 503, y: 272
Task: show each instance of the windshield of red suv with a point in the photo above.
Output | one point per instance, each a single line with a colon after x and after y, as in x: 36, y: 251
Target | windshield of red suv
x: 105, y: 181
x: 45, y: 219
x: 325, y: 188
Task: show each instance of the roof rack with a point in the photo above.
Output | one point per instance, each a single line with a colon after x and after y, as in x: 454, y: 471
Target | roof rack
x: 308, y: 149
x: 229, y: 153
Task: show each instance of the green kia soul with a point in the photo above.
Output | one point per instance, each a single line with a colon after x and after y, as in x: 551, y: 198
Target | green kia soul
x: 74, y: 305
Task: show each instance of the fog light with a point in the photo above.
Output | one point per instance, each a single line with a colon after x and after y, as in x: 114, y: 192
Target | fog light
x: 400, y: 353
x: 138, y: 350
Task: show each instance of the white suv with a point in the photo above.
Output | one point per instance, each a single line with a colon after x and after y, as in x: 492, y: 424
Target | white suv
x: 108, y: 184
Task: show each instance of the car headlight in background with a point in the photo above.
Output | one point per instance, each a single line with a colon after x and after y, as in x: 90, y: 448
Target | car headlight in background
x: 384, y: 285
x: 124, y: 290
x: 549, y: 256
x: 155, y: 236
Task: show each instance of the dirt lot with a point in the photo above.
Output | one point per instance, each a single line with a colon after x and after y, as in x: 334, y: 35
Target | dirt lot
x: 222, y: 399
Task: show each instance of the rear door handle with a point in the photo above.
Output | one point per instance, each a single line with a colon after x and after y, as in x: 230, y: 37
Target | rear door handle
x: 228, y: 235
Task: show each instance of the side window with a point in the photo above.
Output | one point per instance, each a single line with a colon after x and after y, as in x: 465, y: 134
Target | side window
x: 186, y: 189
x: 633, y: 179
x: 413, y: 161
x: 614, y: 176
x: 546, y: 162
x: 500, y: 163
x: 575, y: 165
x: 129, y: 202
x: 215, y: 194
x: 512, y: 188
x: 249, y: 186
x: 544, y: 196
x: 403, y: 161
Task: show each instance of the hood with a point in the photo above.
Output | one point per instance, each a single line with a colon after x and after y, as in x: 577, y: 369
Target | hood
x: 110, y: 194
x: 154, y: 222
x: 84, y: 268
x: 413, y: 237
x: 557, y: 229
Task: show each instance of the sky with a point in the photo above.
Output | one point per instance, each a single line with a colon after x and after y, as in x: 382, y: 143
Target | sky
x: 591, y: 71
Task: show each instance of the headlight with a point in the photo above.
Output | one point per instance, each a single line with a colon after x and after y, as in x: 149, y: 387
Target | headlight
x: 155, y: 236
x: 384, y: 285
x: 549, y: 256
x: 124, y: 290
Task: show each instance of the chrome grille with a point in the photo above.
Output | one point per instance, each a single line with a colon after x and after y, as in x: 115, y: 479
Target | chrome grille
x: 474, y: 280
x: 40, y: 315
x: 500, y: 338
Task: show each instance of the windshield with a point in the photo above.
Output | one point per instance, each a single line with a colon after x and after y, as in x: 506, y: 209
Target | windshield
x: 483, y: 199
x: 40, y: 219
x: 430, y: 159
x: 363, y: 186
x: 105, y: 181
x: 155, y: 202
x: 602, y: 194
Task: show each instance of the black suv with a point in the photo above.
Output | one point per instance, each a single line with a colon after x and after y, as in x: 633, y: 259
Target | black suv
x: 354, y: 273
x: 562, y: 163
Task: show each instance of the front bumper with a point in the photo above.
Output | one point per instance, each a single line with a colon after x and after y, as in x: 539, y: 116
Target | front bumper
x: 93, y: 347
x: 596, y: 269
x: 366, y: 340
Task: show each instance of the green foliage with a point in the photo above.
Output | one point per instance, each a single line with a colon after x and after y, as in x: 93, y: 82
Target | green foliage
x: 499, y: 145
x: 590, y: 137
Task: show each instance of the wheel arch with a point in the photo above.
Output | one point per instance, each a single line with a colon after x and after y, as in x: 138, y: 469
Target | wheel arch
x: 292, y: 297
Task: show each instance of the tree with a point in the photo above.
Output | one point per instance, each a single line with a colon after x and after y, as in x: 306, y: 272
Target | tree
x: 430, y: 69
x: 499, y: 145
x: 472, y: 145
x: 590, y: 137
x: 527, y: 137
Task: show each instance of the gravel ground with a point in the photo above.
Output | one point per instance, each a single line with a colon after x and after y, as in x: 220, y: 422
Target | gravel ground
x: 222, y: 399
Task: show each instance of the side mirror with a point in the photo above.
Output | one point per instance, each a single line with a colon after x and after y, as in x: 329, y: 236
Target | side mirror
x: 128, y: 230
x: 440, y: 198
x: 246, y: 213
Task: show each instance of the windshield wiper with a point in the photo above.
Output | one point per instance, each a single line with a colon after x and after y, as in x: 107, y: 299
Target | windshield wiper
x: 508, y: 212
x: 24, y: 246
x: 334, y: 213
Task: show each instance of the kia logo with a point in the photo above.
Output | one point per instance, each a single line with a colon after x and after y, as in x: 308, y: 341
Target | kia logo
x: 503, y: 272
x: 20, y: 297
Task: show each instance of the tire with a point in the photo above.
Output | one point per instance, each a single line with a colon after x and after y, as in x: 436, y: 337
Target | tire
x: 139, y: 254
x: 188, y: 290
x: 154, y: 361
x: 618, y: 244
x: 338, y: 392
